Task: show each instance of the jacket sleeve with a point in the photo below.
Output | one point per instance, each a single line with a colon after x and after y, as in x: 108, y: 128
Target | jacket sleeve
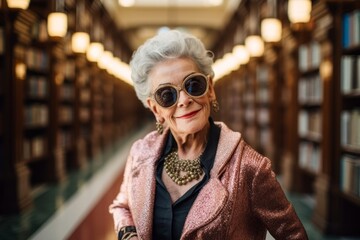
x: 120, y: 205
x: 271, y: 205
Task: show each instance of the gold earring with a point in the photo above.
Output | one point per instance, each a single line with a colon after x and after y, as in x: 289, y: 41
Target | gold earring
x: 159, y: 127
x: 215, y: 105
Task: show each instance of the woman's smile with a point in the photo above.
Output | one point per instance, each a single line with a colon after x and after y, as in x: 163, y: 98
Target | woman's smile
x: 189, y: 115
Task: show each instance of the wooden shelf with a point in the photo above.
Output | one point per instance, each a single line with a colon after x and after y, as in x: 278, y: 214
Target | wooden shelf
x: 351, y: 149
x: 355, y: 50
x: 351, y: 197
x: 310, y: 72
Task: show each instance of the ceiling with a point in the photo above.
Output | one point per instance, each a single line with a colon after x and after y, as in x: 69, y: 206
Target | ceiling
x: 203, y: 18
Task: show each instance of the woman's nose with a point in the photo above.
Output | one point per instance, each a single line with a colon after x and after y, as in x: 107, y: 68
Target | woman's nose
x: 184, y: 99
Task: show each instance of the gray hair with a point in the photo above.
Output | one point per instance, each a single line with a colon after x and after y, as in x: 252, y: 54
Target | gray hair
x: 166, y: 45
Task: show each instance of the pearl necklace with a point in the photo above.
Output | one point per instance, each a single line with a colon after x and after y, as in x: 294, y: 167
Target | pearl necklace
x: 174, y: 166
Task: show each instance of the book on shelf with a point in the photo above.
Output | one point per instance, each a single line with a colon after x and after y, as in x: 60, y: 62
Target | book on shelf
x: 66, y: 139
x: 351, y: 29
x: 309, y: 56
x: 70, y: 69
x: 66, y: 114
x: 36, y: 115
x: 37, y: 59
x: 67, y: 92
x: 309, y: 124
x: 34, y: 147
x: 350, y: 174
x: 39, y: 31
x: 37, y: 86
x: 310, y: 89
x: 309, y: 157
x: 350, y: 73
x: 262, y: 74
x: 350, y: 132
x: 85, y: 95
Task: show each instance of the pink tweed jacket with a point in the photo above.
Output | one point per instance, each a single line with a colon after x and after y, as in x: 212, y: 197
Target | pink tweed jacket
x: 241, y: 200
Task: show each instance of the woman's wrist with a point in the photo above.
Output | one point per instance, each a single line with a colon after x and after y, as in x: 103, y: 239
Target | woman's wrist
x: 127, y: 233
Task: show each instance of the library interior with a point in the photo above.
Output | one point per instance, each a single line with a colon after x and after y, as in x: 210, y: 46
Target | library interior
x: 287, y: 77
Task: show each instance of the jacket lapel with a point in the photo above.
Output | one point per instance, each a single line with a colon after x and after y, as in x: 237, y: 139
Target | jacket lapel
x: 214, y: 195
x: 206, y: 207
x: 143, y: 184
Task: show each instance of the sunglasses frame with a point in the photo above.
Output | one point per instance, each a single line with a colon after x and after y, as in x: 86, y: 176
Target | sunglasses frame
x: 178, y: 89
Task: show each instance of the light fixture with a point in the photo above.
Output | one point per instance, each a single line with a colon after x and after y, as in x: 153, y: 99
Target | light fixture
x: 105, y: 59
x: 231, y: 62
x: 241, y: 54
x: 57, y: 24
x: 126, y: 3
x: 255, y: 45
x: 20, y: 70
x: 80, y: 42
x: 219, y: 69
x: 326, y: 69
x: 94, y: 51
x: 271, y: 29
x: 21, y: 4
x: 299, y: 11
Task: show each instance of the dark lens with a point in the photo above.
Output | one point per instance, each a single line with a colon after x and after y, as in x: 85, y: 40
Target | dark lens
x: 166, y: 96
x: 196, y: 85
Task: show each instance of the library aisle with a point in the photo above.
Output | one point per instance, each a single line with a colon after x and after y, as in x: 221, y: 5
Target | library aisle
x: 68, y: 115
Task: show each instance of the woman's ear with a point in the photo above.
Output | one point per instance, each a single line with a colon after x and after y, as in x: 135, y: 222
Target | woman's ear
x: 153, y: 108
x: 212, y: 94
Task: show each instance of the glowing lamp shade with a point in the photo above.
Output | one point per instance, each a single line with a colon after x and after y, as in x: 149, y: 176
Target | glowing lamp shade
x: 255, y: 45
x: 241, y: 54
x: 105, y: 59
x: 271, y: 30
x: 299, y: 11
x: 22, y: 4
x: 126, y: 3
x: 57, y: 24
x: 94, y: 51
x: 80, y: 42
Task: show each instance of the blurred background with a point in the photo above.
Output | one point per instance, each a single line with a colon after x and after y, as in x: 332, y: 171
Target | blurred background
x: 287, y: 76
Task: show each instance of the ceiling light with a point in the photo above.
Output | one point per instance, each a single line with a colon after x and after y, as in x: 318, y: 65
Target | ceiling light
x: 255, y: 45
x: 57, y: 24
x: 80, y: 42
x: 126, y: 3
x: 271, y: 30
x: 299, y: 11
x: 22, y: 4
x: 105, y: 59
x: 215, y: 2
x: 241, y: 54
x: 94, y: 51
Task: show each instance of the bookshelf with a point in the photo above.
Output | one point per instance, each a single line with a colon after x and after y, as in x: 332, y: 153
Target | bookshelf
x: 250, y: 130
x: 59, y: 108
x: 96, y: 112
x: 337, y: 207
x: 310, y: 98
x: 263, y: 108
x: 270, y: 112
x: 347, y: 154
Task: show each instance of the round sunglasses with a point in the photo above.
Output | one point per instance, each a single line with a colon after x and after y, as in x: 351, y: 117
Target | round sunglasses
x: 195, y: 85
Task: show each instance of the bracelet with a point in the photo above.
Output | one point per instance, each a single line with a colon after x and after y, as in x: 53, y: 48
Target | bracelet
x: 125, y: 231
x: 129, y: 235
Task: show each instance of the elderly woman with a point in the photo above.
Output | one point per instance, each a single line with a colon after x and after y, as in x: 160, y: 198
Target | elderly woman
x: 194, y: 178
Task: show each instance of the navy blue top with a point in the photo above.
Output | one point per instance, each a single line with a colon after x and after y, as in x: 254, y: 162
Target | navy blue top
x: 169, y: 218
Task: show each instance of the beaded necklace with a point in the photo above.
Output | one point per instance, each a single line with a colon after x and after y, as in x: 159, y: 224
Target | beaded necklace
x: 174, y: 166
